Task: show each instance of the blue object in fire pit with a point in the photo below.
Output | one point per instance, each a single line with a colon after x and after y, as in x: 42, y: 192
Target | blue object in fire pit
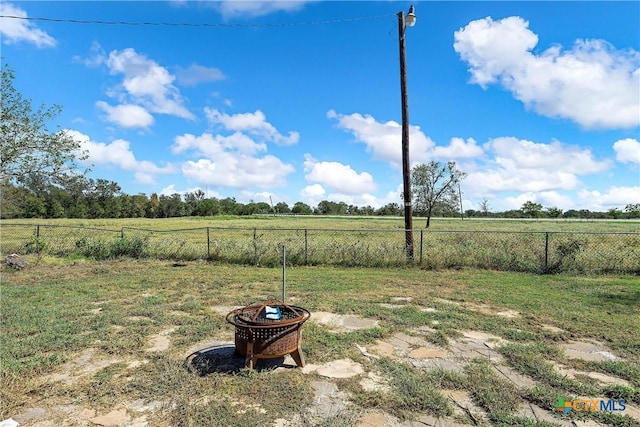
x: 272, y: 313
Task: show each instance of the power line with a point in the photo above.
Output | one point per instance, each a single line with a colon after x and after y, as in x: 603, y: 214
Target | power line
x: 188, y: 24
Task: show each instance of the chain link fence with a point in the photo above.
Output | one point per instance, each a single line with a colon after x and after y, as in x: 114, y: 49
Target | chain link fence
x: 538, y: 252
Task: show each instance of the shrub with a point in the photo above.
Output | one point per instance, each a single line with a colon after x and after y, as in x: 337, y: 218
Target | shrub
x: 132, y: 247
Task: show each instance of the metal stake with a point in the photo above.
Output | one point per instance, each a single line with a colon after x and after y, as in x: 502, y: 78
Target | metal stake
x: 284, y: 271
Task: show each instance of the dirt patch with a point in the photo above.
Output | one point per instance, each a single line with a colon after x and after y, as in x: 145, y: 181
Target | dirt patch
x: 160, y: 341
x: 342, y: 322
x: 86, y: 363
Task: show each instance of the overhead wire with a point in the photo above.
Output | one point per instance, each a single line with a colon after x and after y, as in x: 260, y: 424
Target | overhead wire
x: 202, y: 24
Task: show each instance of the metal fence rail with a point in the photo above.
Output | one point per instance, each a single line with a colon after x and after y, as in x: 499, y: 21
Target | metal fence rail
x: 526, y: 251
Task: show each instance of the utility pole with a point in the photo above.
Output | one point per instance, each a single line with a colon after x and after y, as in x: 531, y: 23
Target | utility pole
x: 404, y: 22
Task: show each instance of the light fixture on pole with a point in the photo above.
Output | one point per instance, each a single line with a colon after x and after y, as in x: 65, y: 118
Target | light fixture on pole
x: 406, y: 21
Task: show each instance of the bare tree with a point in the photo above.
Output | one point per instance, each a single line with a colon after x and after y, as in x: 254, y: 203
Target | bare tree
x: 435, y: 184
x: 484, y: 206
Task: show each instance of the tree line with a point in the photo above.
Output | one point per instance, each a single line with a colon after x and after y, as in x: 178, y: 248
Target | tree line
x: 81, y: 197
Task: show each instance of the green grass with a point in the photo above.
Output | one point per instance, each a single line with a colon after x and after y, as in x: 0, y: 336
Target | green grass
x: 55, y: 309
x: 346, y: 222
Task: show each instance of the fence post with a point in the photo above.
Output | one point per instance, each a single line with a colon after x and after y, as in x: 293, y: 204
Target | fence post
x: 421, y: 237
x: 38, y: 239
x: 306, y: 254
x: 255, y: 247
x: 208, y: 244
x: 546, y: 251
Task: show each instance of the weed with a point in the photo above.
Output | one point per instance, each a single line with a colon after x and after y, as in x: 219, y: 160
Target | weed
x: 496, y: 396
x: 411, y: 392
x: 532, y: 360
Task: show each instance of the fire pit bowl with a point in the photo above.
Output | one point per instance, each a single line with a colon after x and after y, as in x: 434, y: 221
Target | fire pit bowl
x: 269, y: 330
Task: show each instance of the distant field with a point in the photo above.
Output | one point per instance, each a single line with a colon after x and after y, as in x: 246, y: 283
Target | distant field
x: 513, y: 245
x: 346, y: 223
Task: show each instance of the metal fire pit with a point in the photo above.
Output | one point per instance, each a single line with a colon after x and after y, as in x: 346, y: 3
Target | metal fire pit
x: 258, y: 337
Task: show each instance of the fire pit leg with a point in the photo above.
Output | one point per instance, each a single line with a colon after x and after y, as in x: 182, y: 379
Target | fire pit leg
x: 250, y: 360
x: 298, y: 357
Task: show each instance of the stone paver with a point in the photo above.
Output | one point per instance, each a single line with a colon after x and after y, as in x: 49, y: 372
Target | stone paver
x: 343, y: 368
x: 536, y: 413
x: 375, y: 419
x: 587, y: 350
x: 633, y: 411
x: 427, y: 353
x: 391, y: 306
x: 117, y: 417
x: 374, y: 382
x: 342, y: 322
x: 508, y: 314
x: 464, y: 404
x: 598, y: 376
x: 30, y: 414
x: 587, y: 423
x: 328, y: 400
x: 383, y: 349
x: 553, y: 329
x: 516, y: 378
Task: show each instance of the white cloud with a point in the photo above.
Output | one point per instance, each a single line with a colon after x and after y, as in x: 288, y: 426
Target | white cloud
x: 250, y: 9
x: 627, y: 150
x: 20, y: 30
x: 230, y: 161
x: 523, y: 154
x: 615, y: 197
x: 196, y: 74
x: 118, y: 153
x: 458, y: 148
x: 253, y: 123
x: 313, y: 191
x: 338, y: 177
x: 147, y: 83
x: 127, y: 115
x: 384, y: 140
x: 512, y: 164
x: 212, y: 146
x: 592, y: 83
x: 238, y: 172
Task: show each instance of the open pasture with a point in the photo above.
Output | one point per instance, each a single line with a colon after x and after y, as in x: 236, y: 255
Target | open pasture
x: 347, y: 222
x: 512, y: 245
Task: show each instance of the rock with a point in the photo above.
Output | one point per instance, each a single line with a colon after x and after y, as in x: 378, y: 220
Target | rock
x: 15, y: 261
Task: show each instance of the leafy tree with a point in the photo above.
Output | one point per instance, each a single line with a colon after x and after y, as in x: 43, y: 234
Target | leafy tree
x: 192, y: 201
x: 633, y: 210
x: 228, y: 206
x: 614, y: 213
x: 27, y: 147
x: 435, y: 187
x: 390, y: 209
x: 554, y: 212
x: 301, y: 208
x: 327, y: 207
x: 531, y: 209
x: 282, y: 208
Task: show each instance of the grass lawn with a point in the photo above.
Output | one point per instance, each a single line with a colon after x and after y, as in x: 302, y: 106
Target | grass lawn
x: 75, y: 335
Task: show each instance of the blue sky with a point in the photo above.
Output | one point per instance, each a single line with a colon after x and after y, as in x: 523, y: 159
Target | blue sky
x: 535, y: 101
